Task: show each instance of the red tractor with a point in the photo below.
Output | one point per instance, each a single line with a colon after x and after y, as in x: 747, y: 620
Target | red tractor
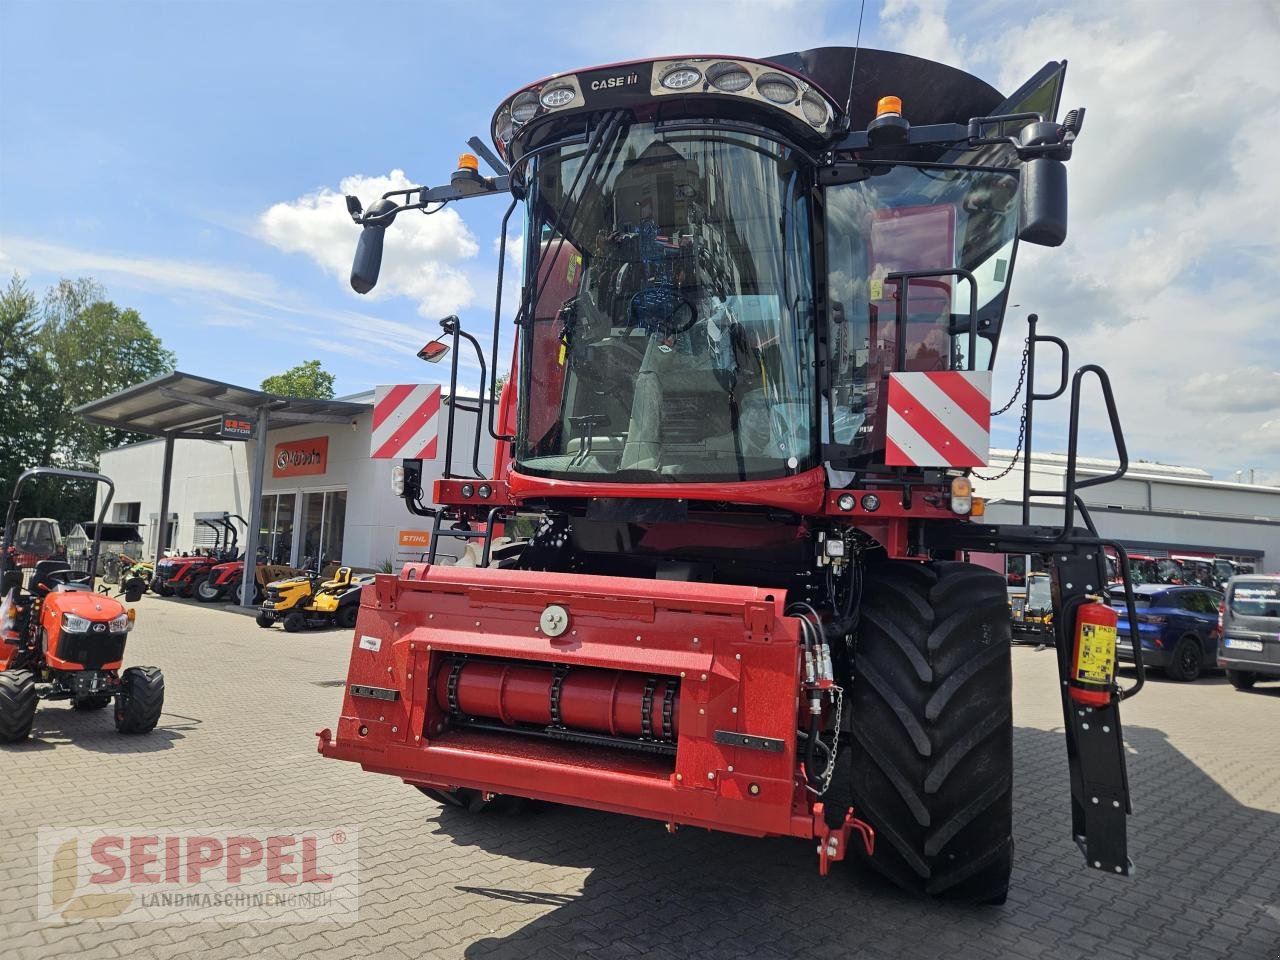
x: 61, y: 640
x: 751, y: 379
x: 182, y: 575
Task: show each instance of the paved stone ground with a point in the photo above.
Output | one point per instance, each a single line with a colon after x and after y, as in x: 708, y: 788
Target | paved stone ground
x: 236, y: 746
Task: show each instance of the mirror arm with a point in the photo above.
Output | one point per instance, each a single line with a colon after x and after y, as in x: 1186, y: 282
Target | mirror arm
x: 427, y: 196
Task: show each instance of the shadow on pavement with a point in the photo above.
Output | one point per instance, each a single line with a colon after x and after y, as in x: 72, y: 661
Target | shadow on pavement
x: 1206, y: 883
x: 60, y: 727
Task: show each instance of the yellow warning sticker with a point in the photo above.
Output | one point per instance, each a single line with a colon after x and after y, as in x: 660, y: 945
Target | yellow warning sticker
x: 572, y: 272
x: 1097, y: 660
x: 877, y: 289
x: 563, y: 351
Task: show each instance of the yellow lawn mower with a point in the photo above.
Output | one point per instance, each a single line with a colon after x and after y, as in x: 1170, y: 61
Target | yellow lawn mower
x: 308, y: 603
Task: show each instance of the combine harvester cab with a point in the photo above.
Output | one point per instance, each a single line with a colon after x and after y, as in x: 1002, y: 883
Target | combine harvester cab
x: 725, y: 543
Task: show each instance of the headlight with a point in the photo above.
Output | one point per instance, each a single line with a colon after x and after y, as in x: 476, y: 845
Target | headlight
x: 961, y: 495
x: 557, y: 97
x: 502, y: 126
x: 484, y: 491
x: 73, y: 624
x: 468, y: 489
x: 729, y: 77
x: 815, y: 111
x: 120, y: 624
x: 680, y: 78
x: 846, y: 501
x: 524, y: 107
x: 397, y: 480
x: 870, y: 502
x: 777, y: 87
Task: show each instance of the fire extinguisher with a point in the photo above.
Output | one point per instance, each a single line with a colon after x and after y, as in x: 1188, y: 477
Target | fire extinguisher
x: 1093, y: 659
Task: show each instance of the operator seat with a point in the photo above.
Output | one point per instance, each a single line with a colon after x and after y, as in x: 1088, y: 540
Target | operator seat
x: 45, y: 568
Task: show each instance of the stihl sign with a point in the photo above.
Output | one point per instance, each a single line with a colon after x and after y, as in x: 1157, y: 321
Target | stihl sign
x: 405, y: 421
x: 939, y: 419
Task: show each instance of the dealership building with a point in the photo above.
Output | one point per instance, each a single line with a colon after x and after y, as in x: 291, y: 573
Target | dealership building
x: 1157, y: 510
x: 320, y: 496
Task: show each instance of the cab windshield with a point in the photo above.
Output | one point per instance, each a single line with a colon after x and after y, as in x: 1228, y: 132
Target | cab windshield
x: 672, y: 338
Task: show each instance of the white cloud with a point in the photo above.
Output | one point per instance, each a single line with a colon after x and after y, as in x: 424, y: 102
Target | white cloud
x: 422, y: 256
x: 147, y: 273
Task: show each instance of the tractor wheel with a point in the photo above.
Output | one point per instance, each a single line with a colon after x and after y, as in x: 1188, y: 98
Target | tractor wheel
x: 256, y: 596
x: 1242, y: 679
x: 264, y: 620
x: 161, y: 589
x: 90, y: 703
x: 186, y: 588
x: 931, y: 752
x: 207, y: 591
x: 473, y: 801
x: 348, y: 615
x: 17, y: 704
x: 140, y: 700
x: 294, y: 621
x: 1186, y: 661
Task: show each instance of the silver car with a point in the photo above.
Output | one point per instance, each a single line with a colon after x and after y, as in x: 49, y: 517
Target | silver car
x: 1249, y: 648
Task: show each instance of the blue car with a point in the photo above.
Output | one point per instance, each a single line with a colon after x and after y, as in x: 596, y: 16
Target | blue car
x: 1178, y: 627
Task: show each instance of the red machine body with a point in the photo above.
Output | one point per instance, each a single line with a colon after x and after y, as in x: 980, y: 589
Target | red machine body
x: 722, y: 660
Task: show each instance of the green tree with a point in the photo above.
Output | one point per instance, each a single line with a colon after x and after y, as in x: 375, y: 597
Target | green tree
x: 24, y: 374
x: 72, y: 347
x: 307, y: 379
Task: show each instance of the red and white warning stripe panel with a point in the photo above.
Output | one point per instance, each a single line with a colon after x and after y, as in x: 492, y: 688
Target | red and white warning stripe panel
x: 939, y: 419
x: 406, y: 418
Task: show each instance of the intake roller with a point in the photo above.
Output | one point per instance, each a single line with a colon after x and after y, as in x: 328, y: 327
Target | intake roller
x: 613, y: 702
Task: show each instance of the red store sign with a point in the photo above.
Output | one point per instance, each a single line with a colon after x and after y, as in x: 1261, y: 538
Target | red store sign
x: 300, y: 458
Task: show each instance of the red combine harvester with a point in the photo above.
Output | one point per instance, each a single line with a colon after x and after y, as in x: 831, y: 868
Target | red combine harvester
x: 760, y: 304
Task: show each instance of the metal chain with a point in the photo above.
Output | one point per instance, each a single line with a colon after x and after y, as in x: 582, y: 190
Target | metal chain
x: 835, y: 745
x: 1022, y: 425
x: 1022, y: 376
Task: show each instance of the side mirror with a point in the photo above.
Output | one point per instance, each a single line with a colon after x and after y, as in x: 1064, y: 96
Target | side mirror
x: 368, y: 260
x: 1044, y: 202
x: 433, y: 352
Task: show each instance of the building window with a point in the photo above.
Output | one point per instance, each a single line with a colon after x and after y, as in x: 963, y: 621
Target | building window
x: 130, y: 512
x: 324, y: 515
x: 275, y: 535
x: 153, y: 528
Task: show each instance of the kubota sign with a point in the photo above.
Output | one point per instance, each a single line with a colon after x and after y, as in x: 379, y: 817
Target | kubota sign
x: 300, y: 458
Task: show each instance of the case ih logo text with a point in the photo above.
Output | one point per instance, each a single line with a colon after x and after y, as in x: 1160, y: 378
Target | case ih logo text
x: 301, y: 458
x: 251, y: 874
x: 607, y: 83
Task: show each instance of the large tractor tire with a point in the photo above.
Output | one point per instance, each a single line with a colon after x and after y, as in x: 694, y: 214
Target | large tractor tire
x: 17, y: 704
x: 931, y: 752
x: 140, y: 700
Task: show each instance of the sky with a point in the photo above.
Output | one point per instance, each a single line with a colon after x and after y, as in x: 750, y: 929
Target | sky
x: 192, y: 157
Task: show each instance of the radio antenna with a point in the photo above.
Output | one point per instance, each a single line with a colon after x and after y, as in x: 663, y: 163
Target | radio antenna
x: 857, y: 45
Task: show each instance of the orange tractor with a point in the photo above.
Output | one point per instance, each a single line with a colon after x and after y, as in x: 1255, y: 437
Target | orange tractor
x: 61, y: 640
x: 723, y: 574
